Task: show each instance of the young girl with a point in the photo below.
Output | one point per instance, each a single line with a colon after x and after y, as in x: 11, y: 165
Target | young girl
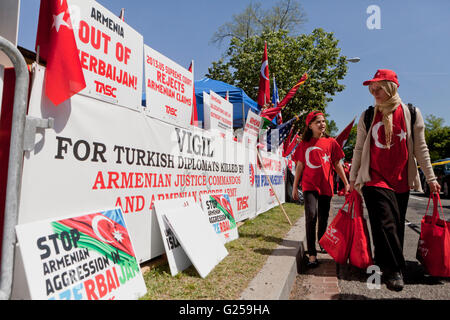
x: 315, y: 158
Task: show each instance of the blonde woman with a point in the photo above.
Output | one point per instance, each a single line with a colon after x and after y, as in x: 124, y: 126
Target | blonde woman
x: 384, y: 169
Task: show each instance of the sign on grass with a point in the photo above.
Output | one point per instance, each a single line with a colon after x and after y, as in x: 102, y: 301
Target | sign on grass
x: 88, y: 257
x: 201, y: 244
x: 177, y: 258
x: 220, y: 215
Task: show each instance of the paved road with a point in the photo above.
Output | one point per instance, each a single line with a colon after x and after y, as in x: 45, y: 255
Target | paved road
x: 352, y: 282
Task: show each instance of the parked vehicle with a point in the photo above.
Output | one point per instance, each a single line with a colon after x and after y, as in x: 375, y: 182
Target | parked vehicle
x: 441, y: 170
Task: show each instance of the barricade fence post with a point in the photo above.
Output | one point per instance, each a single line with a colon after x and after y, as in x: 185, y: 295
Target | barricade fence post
x: 14, y: 166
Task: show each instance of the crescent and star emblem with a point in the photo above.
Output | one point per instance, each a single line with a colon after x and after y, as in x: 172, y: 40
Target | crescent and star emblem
x: 95, y: 222
x: 263, y: 69
x: 375, y: 129
x: 308, y: 161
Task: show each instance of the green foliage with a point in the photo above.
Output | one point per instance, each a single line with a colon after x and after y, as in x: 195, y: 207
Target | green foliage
x: 438, y: 137
x: 289, y: 57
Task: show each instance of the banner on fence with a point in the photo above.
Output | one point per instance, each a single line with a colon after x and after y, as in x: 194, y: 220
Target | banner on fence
x: 87, y: 257
x: 111, y: 54
x: 97, y: 157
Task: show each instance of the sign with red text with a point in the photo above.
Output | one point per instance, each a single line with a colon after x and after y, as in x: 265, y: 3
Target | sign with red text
x: 168, y: 89
x: 220, y: 215
x: 218, y: 113
x: 251, y: 129
x: 99, y: 157
x: 87, y: 257
x: 270, y: 181
x: 111, y: 54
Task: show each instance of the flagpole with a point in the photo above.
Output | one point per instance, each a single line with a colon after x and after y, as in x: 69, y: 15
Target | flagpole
x: 270, y: 182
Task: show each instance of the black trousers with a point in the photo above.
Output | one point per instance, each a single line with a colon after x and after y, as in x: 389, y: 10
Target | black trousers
x: 317, y: 207
x: 387, y: 212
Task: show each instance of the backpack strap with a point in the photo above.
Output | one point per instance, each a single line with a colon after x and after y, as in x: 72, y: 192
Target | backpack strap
x: 368, y: 116
x: 412, y: 111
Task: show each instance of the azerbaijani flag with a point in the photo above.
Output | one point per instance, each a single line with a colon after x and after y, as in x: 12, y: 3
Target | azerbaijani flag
x: 224, y: 205
x: 104, y: 232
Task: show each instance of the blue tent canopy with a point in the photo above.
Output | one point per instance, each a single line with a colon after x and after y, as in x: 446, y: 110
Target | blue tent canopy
x: 240, y: 100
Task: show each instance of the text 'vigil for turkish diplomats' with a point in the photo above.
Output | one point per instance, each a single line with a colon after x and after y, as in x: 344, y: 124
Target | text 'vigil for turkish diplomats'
x: 192, y: 174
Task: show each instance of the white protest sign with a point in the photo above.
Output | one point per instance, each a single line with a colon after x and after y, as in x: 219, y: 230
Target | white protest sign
x: 168, y: 89
x: 111, y: 54
x: 87, y: 257
x: 177, y: 258
x: 220, y: 215
x: 202, y: 245
x: 274, y: 169
x: 218, y: 113
x: 251, y: 129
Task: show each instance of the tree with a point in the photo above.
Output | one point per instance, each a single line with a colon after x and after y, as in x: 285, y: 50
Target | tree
x: 289, y: 57
x: 253, y: 21
x: 438, y: 137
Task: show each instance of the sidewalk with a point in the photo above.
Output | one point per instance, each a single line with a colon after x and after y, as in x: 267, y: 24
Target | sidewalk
x: 329, y: 281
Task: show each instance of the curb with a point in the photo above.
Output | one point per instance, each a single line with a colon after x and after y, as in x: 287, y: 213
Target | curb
x: 276, y: 278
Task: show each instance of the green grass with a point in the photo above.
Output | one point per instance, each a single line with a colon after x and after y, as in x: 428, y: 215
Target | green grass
x: 246, y: 256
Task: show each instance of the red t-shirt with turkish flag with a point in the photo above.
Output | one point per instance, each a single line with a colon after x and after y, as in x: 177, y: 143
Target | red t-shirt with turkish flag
x: 318, y: 156
x: 388, y: 167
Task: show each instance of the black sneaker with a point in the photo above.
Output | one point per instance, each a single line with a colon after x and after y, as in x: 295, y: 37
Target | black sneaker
x: 395, y: 281
x: 313, y: 264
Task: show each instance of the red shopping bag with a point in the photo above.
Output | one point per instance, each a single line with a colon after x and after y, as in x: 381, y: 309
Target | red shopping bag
x: 433, y: 249
x: 360, y: 252
x: 338, y: 237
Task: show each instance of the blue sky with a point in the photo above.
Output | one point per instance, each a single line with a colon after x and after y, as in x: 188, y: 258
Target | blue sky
x: 414, y: 41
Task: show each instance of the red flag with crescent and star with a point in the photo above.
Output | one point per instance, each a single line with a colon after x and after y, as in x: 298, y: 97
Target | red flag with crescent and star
x: 55, y: 42
x: 264, y: 83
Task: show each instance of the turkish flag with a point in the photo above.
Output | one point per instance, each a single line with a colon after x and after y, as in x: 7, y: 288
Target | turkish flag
x: 343, y: 136
x: 264, y: 83
x: 194, y: 118
x: 56, y: 40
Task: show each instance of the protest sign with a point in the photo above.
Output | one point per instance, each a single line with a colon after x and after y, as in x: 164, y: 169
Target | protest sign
x: 177, y: 258
x: 168, y: 89
x: 220, y: 215
x: 251, y: 129
x: 218, y: 113
x: 202, y: 245
x: 87, y: 257
x: 274, y: 169
x: 111, y: 54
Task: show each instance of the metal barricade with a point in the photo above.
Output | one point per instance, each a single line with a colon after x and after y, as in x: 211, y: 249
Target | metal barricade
x: 15, y: 163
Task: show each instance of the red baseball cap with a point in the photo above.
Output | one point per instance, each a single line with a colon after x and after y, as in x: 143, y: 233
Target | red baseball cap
x: 311, y: 116
x: 383, y: 74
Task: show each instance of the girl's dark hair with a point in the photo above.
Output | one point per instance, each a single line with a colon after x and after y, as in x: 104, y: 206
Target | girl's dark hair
x: 308, y: 134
